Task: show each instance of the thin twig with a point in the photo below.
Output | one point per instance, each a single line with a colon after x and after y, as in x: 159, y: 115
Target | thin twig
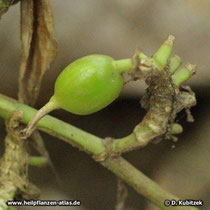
x: 92, y: 144
x: 122, y: 194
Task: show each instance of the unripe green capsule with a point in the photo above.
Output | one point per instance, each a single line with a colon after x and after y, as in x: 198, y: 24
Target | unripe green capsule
x: 85, y: 86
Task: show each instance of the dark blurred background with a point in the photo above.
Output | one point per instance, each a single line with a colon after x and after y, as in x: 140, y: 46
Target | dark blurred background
x: 117, y: 28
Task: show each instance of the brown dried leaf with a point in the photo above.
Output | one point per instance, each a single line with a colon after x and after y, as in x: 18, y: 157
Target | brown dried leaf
x: 39, y: 47
x: 38, y: 52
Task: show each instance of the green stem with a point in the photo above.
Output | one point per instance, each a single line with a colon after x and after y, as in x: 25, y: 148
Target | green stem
x: 37, y: 161
x: 174, y: 64
x: 124, y: 143
x: 130, y: 141
x: 92, y: 144
x: 183, y: 74
x: 162, y: 55
x: 71, y: 134
x: 126, y: 65
x: 141, y: 183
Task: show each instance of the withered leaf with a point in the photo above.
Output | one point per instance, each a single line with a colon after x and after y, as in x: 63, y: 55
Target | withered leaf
x: 38, y: 52
x: 39, y: 47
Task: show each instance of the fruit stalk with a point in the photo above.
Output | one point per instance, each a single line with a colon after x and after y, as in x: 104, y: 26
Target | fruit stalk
x: 126, y: 65
x: 37, y: 161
